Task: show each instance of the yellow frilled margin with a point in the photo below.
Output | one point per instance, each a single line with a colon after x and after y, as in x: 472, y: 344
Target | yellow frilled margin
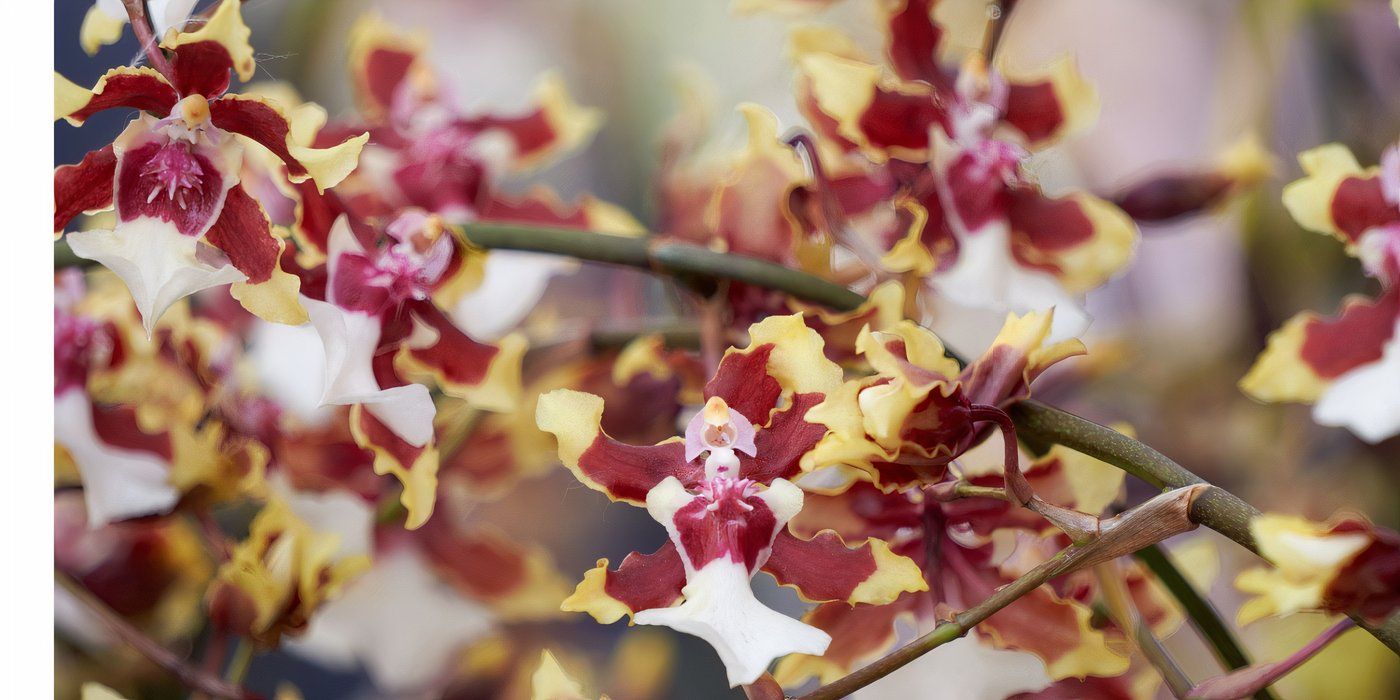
x: 227, y: 29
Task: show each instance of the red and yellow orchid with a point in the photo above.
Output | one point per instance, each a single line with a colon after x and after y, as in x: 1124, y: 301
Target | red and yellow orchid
x: 184, y: 223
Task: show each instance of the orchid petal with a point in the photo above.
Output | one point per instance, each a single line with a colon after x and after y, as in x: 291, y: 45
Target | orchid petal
x: 118, y: 483
x: 158, y: 264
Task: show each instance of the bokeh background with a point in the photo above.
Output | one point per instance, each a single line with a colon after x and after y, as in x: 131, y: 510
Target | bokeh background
x: 1178, y: 80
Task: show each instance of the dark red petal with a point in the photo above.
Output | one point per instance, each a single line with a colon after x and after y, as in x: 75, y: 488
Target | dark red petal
x: 895, y: 119
x: 913, y: 43
x: 455, y: 357
x: 482, y: 564
x: 1034, y: 109
x: 117, y: 426
x: 1359, y: 205
x: 85, y: 186
x: 1333, y: 347
x: 630, y: 471
x: 742, y: 380
x: 243, y: 233
x: 141, y: 89
x: 822, y: 568
x: 202, y: 68
x: 259, y: 122
x: 783, y: 442
x: 1048, y: 223
x: 646, y: 581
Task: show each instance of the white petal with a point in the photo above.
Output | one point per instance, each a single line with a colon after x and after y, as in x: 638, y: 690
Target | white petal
x: 399, y: 620
x: 1366, y: 400
x: 964, y: 669
x: 169, y: 13
x: 114, y: 9
x: 719, y: 606
x: 349, y: 339
x: 117, y: 483
x: 513, y: 283
x: 158, y: 264
x: 290, y: 366
x: 721, y: 609
x: 986, y: 283
x: 339, y: 512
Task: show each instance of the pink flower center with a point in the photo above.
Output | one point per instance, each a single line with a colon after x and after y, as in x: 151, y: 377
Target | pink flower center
x: 173, y: 171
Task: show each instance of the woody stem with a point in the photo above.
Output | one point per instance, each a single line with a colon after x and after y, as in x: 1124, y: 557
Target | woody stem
x: 167, y: 660
x: 145, y: 34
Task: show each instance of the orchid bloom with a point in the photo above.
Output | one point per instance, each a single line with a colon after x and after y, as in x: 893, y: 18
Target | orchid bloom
x: 184, y: 223
x: 103, y: 23
x: 276, y: 579
x: 1344, y: 564
x: 979, y: 545
x: 937, y: 167
x: 125, y: 470
x: 430, y: 154
x: 905, y: 423
x: 726, y: 514
x: 1346, y: 366
x: 373, y: 306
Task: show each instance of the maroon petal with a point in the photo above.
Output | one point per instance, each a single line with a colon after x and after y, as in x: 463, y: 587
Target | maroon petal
x: 83, y: 187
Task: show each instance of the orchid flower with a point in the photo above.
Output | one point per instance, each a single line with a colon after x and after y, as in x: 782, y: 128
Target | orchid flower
x: 726, y: 514
x: 932, y: 164
x: 905, y: 423
x: 1346, y: 366
x: 183, y: 221
x: 978, y: 545
x: 373, y: 306
x: 1344, y: 564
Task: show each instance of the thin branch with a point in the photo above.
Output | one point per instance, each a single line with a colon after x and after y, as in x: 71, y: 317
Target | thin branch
x: 1203, y: 616
x: 1128, y: 618
x: 167, y: 660
x: 998, y: 12
x: 145, y: 34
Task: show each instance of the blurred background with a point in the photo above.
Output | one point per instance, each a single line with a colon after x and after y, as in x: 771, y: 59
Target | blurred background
x: 1178, y: 80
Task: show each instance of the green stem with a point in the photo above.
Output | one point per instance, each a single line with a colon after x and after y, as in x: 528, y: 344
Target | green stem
x: 1038, y: 423
x: 242, y: 659
x: 1199, y: 611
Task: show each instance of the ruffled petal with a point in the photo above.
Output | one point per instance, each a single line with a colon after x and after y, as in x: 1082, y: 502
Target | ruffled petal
x: 267, y: 123
x: 623, y: 472
x: 415, y: 466
x: 487, y: 376
x: 1337, y: 196
x: 1058, y: 102
x: 203, y: 58
x: 158, y: 264
x: 382, y: 59
x: 1080, y: 239
x: 118, y: 482
x: 641, y: 582
x: 555, y: 125
x: 824, y: 568
x: 884, y: 116
x: 1308, y: 353
x: 350, y: 340
x: 243, y: 233
x: 85, y: 187
x: 133, y: 88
